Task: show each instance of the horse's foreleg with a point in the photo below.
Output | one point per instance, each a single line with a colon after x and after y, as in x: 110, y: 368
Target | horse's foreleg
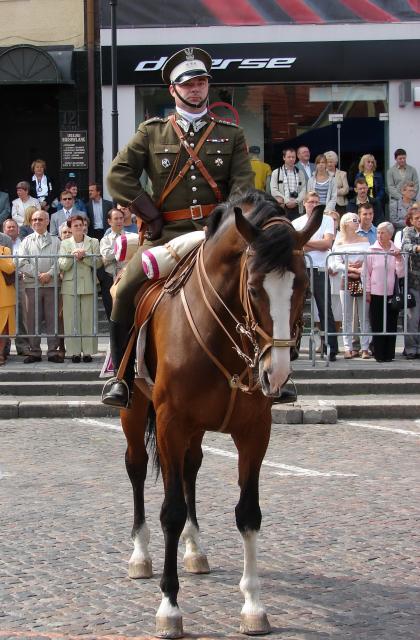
x: 133, y: 421
x: 254, y: 619
x: 173, y: 516
x: 195, y: 560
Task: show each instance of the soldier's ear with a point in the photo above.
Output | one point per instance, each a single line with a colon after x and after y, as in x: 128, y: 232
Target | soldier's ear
x: 171, y: 90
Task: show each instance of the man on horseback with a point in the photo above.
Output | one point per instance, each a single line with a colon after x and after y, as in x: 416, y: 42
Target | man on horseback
x: 194, y: 161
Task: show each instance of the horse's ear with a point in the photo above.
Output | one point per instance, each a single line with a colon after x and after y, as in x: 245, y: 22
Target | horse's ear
x: 314, y: 222
x: 247, y: 230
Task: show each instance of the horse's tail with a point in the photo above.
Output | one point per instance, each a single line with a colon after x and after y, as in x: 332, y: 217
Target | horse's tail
x: 151, y: 439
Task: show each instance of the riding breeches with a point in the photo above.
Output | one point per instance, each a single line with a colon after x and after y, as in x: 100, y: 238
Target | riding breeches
x: 133, y: 277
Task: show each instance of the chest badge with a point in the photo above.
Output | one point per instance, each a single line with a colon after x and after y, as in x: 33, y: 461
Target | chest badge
x: 218, y: 162
x: 166, y: 163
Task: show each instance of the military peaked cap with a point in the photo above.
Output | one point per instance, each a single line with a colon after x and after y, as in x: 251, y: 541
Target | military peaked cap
x: 186, y: 64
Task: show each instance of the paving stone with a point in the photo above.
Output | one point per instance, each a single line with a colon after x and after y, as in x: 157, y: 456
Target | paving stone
x: 337, y: 554
x: 321, y: 415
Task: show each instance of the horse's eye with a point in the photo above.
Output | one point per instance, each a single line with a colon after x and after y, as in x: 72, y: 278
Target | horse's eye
x: 253, y: 292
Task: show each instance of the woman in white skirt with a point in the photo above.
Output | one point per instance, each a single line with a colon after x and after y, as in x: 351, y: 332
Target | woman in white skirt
x: 349, y: 242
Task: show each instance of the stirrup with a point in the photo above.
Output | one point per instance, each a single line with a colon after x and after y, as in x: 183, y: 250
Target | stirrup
x: 109, y: 384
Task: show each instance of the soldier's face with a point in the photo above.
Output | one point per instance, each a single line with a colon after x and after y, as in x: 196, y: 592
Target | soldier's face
x: 194, y: 91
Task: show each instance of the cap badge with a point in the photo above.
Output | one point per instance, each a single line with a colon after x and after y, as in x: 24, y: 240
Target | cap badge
x: 189, y: 54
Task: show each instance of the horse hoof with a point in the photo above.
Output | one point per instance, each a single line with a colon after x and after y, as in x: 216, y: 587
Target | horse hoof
x: 254, y: 624
x: 169, y: 627
x: 196, y: 564
x: 142, y: 569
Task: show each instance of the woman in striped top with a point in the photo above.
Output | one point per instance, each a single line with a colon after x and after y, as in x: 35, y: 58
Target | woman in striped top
x: 324, y: 184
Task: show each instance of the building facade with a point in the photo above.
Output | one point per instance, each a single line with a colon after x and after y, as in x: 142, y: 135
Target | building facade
x: 44, y: 82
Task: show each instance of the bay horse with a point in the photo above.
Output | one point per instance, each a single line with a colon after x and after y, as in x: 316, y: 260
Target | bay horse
x: 219, y: 352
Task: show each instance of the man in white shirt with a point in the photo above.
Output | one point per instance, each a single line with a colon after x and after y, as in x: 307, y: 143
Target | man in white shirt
x: 106, y: 249
x: 307, y: 167
x: 288, y: 185
x: 97, y: 210
x: 317, y: 248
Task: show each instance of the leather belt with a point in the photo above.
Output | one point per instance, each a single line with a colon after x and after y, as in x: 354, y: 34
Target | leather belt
x: 195, y: 212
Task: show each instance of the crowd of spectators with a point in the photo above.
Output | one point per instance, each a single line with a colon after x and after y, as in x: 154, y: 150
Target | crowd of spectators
x: 353, y: 232
x: 57, y: 251
x: 55, y: 256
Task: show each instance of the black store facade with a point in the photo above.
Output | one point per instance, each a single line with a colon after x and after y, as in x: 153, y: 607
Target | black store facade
x: 43, y: 98
x: 284, y: 93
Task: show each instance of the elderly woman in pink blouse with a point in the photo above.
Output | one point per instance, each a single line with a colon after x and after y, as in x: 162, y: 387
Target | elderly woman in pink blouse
x: 380, y: 279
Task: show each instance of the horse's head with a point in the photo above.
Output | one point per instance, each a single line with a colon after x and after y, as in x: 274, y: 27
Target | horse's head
x: 274, y: 287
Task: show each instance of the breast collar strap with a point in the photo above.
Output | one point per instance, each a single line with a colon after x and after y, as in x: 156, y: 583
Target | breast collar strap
x: 249, y: 350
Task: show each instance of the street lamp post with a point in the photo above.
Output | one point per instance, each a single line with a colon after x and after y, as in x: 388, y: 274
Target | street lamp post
x: 114, y: 80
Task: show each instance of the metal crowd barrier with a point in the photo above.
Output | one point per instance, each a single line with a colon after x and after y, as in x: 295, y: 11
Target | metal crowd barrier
x: 310, y: 332
x: 353, y: 333
x: 56, y: 286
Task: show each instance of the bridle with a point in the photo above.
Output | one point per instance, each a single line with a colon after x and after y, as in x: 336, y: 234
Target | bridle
x: 248, y: 330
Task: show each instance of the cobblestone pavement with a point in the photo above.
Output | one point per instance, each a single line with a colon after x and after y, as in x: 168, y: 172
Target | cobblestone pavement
x: 338, y: 550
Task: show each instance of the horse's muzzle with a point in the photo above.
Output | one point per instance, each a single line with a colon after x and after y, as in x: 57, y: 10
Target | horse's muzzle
x: 273, y: 379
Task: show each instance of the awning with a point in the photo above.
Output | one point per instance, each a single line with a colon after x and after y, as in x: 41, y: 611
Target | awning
x: 25, y: 64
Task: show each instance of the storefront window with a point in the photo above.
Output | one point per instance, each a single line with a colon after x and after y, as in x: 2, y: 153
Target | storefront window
x: 275, y: 116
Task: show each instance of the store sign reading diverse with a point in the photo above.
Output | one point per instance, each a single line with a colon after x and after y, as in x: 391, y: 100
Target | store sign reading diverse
x: 274, y: 62
x: 225, y: 63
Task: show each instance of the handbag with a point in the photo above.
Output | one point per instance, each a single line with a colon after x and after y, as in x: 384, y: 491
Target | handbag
x: 396, y: 301
x: 355, y: 287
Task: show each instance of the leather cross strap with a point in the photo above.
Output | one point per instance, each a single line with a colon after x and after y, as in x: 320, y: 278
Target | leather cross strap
x: 171, y: 184
x: 194, y: 159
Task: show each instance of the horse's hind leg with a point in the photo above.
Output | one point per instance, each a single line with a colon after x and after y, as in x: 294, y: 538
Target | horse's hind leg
x: 195, y: 560
x: 133, y: 421
x: 251, y: 451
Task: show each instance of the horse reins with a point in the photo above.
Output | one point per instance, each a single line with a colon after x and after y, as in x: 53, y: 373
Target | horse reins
x: 247, y: 330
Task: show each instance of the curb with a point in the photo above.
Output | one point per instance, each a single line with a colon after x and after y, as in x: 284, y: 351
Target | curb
x: 10, y: 409
x: 302, y: 413
x: 282, y: 414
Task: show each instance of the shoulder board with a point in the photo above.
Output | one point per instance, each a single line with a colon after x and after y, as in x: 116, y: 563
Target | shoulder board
x: 219, y: 121
x: 156, y: 119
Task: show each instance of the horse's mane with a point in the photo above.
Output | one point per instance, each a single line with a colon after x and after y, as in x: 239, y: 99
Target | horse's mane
x: 273, y: 247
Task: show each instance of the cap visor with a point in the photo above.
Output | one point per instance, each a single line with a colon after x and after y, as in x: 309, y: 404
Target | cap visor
x: 189, y: 75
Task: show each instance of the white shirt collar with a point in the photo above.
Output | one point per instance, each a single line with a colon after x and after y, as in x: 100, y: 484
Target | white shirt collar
x: 191, y: 116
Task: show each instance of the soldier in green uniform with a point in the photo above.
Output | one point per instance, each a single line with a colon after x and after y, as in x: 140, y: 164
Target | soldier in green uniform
x: 193, y: 161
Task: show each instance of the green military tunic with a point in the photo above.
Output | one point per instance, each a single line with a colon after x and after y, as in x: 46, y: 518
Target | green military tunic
x: 154, y: 149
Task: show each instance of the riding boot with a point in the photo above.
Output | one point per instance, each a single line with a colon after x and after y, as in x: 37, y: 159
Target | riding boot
x: 119, y: 393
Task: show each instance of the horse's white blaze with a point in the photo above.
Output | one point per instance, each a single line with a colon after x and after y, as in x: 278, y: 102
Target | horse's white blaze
x: 141, y: 541
x: 279, y: 289
x: 250, y: 584
x: 167, y: 610
x: 191, y: 537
